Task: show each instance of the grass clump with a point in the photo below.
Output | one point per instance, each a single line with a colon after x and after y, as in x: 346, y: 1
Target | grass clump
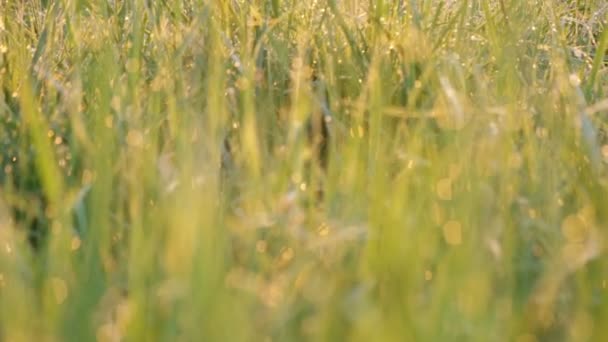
x: 281, y: 170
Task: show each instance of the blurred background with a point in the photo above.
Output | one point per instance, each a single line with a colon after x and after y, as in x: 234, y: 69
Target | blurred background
x: 318, y: 170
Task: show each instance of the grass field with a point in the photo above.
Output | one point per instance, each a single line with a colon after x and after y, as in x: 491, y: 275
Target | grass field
x: 323, y: 170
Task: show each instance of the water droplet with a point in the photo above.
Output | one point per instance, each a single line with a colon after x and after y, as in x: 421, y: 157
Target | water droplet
x: 452, y: 233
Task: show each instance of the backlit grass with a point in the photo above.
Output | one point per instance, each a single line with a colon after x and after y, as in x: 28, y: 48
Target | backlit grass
x: 327, y: 170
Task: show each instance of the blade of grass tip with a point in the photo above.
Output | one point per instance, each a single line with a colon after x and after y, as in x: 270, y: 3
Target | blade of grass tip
x: 39, y: 49
x: 42, y: 44
x: 444, y: 33
x: 45, y: 158
x: 491, y: 28
x: 589, y: 131
x: 438, y: 11
x: 359, y: 57
x: 503, y: 9
x: 597, y: 62
x: 364, y: 45
x: 215, y: 100
x: 52, y: 185
x: 417, y: 17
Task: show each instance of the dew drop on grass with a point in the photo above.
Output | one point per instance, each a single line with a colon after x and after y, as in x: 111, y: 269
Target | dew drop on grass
x: 135, y: 138
x: 323, y: 230
x: 287, y: 254
x: 574, y: 229
x: 109, y: 121
x: 574, y: 80
x: 452, y: 233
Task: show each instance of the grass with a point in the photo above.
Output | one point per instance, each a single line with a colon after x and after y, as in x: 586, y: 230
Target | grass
x: 162, y: 174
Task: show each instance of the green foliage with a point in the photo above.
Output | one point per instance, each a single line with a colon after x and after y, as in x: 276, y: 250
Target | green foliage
x: 257, y: 170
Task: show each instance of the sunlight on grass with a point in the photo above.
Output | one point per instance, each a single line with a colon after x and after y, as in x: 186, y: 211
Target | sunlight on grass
x: 327, y: 170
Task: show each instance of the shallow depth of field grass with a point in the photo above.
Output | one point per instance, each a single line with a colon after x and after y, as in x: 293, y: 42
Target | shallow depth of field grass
x: 160, y: 174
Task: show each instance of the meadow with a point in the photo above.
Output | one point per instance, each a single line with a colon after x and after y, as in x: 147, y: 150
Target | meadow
x: 314, y: 170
